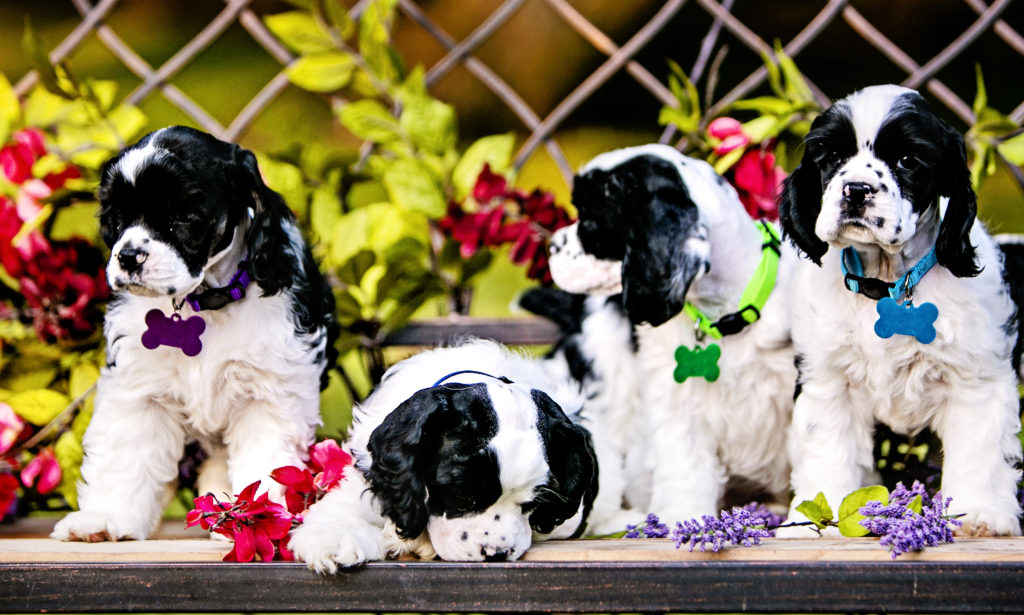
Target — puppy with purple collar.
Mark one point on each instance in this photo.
(220, 331)
(901, 310)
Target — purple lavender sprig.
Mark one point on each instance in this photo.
(901, 529)
(652, 527)
(739, 527)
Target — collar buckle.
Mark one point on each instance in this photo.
(733, 323)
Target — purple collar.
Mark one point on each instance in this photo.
(216, 298)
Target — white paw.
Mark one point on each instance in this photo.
(987, 522)
(324, 549)
(96, 527)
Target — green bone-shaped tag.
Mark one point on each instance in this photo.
(698, 362)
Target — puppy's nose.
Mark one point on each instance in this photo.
(855, 193)
(131, 258)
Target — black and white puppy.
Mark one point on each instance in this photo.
(462, 452)
(219, 331)
(665, 230)
(885, 182)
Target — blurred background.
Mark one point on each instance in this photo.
(540, 56)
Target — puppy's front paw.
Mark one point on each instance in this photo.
(325, 548)
(90, 526)
(977, 523)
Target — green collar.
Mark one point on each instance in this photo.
(754, 296)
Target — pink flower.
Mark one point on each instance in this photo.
(759, 183)
(45, 469)
(729, 133)
(489, 185)
(11, 426)
(32, 138)
(8, 494)
(330, 461)
(16, 161)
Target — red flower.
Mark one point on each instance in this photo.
(17, 158)
(759, 183)
(330, 462)
(298, 487)
(63, 286)
(257, 525)
(506, 217)
(8, 494)
(43, 467)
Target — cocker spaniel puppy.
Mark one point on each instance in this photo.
(901, 313)
(464, 452)
(219, 331)
(704, 286)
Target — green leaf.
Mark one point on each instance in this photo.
(762, 128)
(39, 406)
(299, 31)
(724, 163)
(370, 120)
(355, 268)
(374, 227)
(375, 39)
(325, 211)
(817, 510)
(324, 71)
(796, 86)
(10, 109)
(849, 509)
(285, 179)
(429, 122)
(916, 505)
(981, 96)
(411, 186)
(69, 454)
(348, 308)
(688, 118)
(764, 104)
(494, 150)
(40, 61)
(338, 17)
(1013, 150)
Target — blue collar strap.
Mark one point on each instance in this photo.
(873, 288)
(471, 371)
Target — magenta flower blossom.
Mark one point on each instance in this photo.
(11, 426)
(42, 472)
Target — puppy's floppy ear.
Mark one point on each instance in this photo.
(657, 269)
(405, 448)
(799, 206)
(572, 466)
(953, 248)
(267, 238)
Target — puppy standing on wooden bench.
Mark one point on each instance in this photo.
(219, 331)
(901, 311)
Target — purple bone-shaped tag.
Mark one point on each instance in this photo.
(173, 331)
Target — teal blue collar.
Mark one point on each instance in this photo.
(873, 288)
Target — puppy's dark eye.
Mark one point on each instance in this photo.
(908, 163)
(528, 507)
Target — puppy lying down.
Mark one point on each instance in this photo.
(466, 453)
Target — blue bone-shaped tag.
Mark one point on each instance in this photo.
(905, 319)
(699, 362)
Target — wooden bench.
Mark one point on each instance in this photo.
(181, 572)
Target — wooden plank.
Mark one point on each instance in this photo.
(583, 587)
(526, 330)
(40, 550)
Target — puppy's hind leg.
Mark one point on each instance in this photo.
(131, 454)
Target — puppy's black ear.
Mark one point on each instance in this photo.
(799, 206)
(657, 269)
(267, 239)
(953, 248)
(398, 448)
(572, 464)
